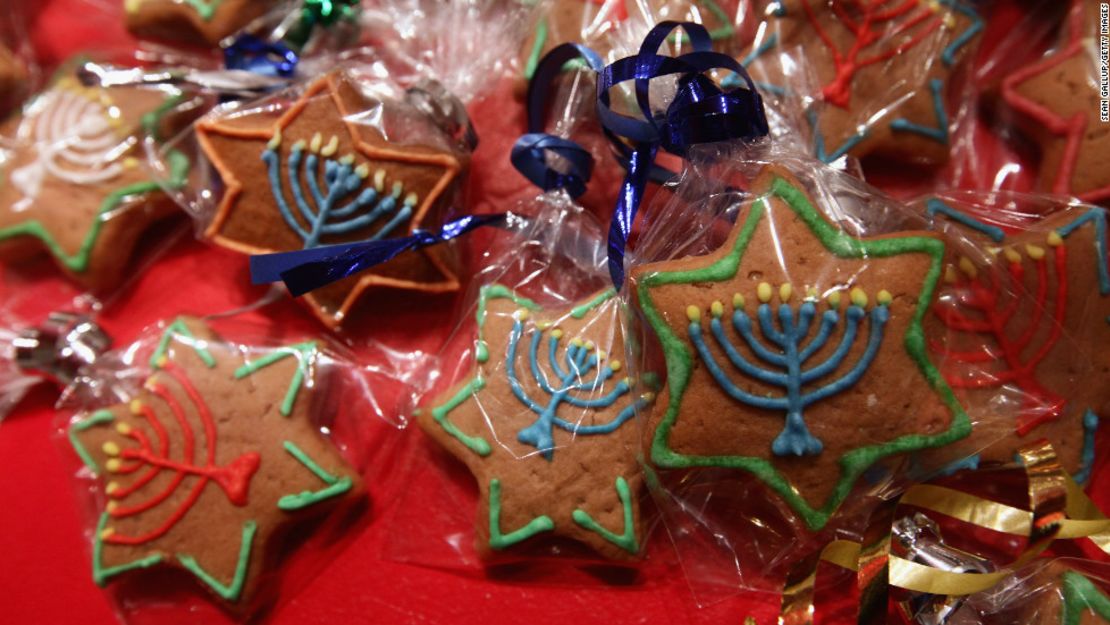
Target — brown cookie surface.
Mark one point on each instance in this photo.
(545, 424)
(1056, 102)
(13, 79)
(880, 69)
(192, 21)
(1066, 596)
(317, 175)
(73, 184)
(794, 352)
(1019, 332)
(208, 463)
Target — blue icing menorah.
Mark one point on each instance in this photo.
(784, 362)
(567, 383)
(322, 208)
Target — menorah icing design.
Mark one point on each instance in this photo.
(848, 41)
(783, 364)
(323, 208)
(788, 347)
(1018, 317)
(543, 422)
(319, 173)
(168, 459)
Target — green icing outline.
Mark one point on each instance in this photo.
(101, 575)
(79, 262)
(1081, 595)
(232, 591)
(497, 540)
(335, 485)
(179, 327)
(627, 540)
(205, 8)
(302, 351)
(97, 418)
(852, 464)
(476, 444)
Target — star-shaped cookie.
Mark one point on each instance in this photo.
(1057, 104)
(73, 184)
(879, 67)
(795, 351)
(208, 464)
(543, 423)
(1019, 332)
(192, 21)
(320, 173)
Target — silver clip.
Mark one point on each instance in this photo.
(920, 537)
(61, 347)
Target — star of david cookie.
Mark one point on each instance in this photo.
(1056, 104)
(192, 21)
(73, 184)
(1018, 333)
(881, 70)
(207, 466)
(795, 351)
(544, 422)
(316, 174)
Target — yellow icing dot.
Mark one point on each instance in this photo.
(332, 147)
(298, 146)
(557, 333)
(1011, 255)
(136, 406)
(110, 448)
(737, 301)
(590, 345)
(347, 159)
(411, 199)
(521, 314)
(717, 309)
(111, 487)
(1036, 253)
(1054, 239)
(123, 428)
(130, 162)
(106, 532)
(379, 180)
(543, 325)
(111, 507)
(162, 361)
(693, 313)
(785, 292)
(363, 171)
(812, 294)
(834, 299)
(577, 342)
(763, 292)
(858, 297)
(317, 140)
(615, 366)
(884, 298)
(602, 354)
(113, 465)
(968, 267)
(275, 141)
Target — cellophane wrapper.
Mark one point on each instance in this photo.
(552, 265)
(731, 529)
(348, 402)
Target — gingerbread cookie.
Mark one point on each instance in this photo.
(13, 79)
(882, 70)
(1056, 101)
(1068, 598)
(316, 175)
(192, 21)
(210, 463)
(544, 424)
(1019, 332)
(74, 184)
(795, 352)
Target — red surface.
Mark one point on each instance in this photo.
(44, 567)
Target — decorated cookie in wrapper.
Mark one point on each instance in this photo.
(1024, 309)
(334, 164)
(883, 73)
(192, 21)
(74, 180)
(219, 459)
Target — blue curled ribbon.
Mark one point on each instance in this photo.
(531, 155)
(266, 58)
(306, 270)
(701, 112)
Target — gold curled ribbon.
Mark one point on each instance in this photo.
(1059, 510)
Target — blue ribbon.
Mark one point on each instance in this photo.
(701, 112)
(255, 55)
(532, 154)
(306, 270)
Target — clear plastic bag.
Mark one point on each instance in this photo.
(215, 468)
(793, 307)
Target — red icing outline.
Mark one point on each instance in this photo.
(839, 91)
(1040, 404)
(234, 478)
(1072, 129)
